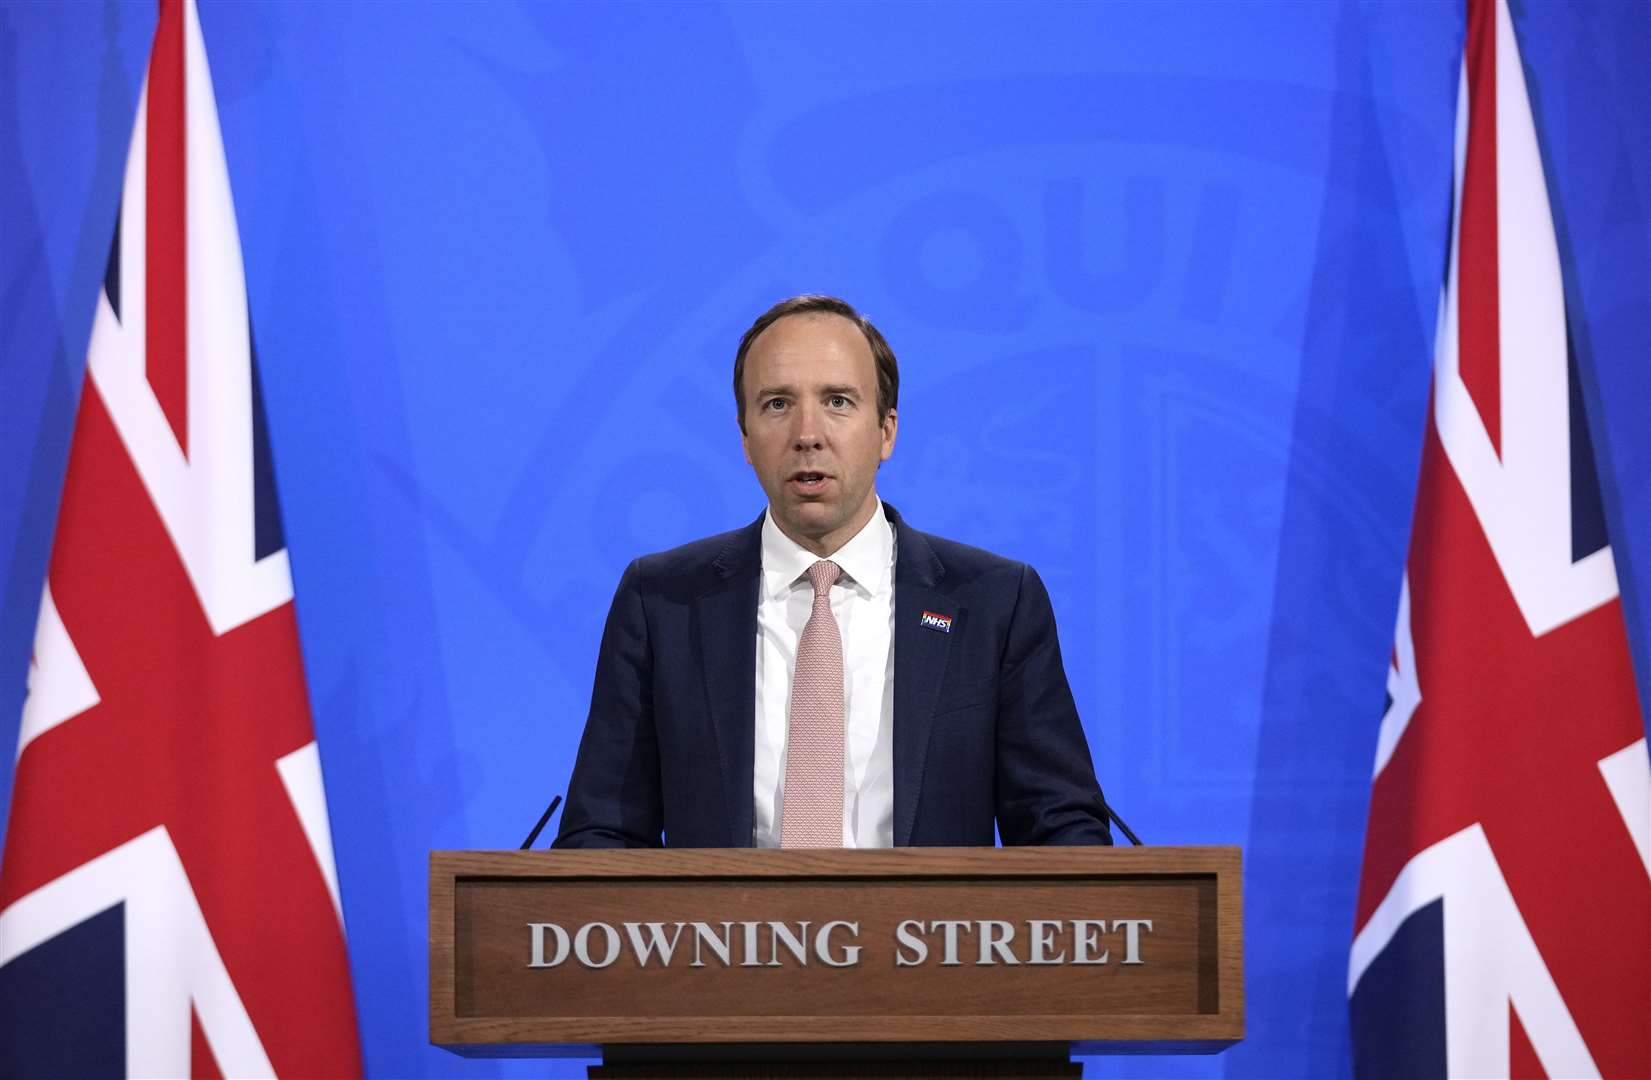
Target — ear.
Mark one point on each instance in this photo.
(745, 445)
(891, 424)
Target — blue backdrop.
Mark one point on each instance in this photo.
(1163, 282)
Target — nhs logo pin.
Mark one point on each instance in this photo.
(942, 623)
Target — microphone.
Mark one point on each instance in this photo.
(557, 801)
(1109, 814)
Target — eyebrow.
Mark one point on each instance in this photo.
(846, 389)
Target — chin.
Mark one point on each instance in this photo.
(816, 519)
(814, 514)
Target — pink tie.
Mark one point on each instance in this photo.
(812, 814)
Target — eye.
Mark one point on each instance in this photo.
(838, 401)
(774, 404)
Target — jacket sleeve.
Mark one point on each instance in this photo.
(1046, 791)
(614, 795)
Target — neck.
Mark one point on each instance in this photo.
(827, 545)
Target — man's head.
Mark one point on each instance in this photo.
(817, 388)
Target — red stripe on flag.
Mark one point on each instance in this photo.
(202, 1065)
(1479, 334)
(166, 296)
(1523, 1063)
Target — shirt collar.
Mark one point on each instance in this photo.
(867, 559)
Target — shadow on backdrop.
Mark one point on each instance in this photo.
(44, 349)
(1342, 543)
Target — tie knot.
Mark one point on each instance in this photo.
(823, 575)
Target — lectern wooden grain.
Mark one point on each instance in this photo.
(799, 955)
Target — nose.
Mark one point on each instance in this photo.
(807, 432)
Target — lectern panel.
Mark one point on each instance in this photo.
(972, 945)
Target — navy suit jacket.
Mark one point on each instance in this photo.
(984, 723)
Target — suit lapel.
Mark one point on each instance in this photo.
(725, 625)
(919, 666)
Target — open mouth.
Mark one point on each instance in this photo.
(808, 482)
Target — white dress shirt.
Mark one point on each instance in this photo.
(863, 602)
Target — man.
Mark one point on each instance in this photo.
(828, 676)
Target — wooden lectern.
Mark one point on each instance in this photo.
(909, 961)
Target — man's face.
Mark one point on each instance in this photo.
(811, 428)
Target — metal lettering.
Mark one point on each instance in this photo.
(797, 945)
(948, 957)
(995, 936)
(581, 944)
(538, 930)
(1043, 933)
(551, 944)
(1132, 937)
(655, 943)
(908, 940)
(822, 944)
(704, 935)
(1084, 940)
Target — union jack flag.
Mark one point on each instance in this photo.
(1503, 924)
(168, 900)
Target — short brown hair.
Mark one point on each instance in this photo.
(888, 372)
